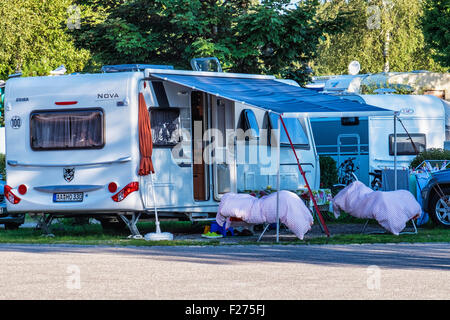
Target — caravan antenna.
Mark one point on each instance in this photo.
(354, 67)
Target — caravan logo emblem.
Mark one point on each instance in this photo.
(407, 110)
(107, 95)
(69, 174)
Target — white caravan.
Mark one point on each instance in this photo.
(370, 139)
(72, 146)
(417, 82)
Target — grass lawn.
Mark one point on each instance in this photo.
(93, 234)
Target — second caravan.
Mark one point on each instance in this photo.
(370, 140)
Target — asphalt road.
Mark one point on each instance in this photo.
(392, 271)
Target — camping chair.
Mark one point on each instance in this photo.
(383, 232)
(236, 223)
(267, 225)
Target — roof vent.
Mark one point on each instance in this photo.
(15, 75)
(211, 64)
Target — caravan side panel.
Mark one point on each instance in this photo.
(421, 115)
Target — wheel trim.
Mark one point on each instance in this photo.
(442, 210)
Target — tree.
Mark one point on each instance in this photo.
(246, 35)
(436, 26)
(34, 38)
(383, 35)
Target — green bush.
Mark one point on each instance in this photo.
(430, 154)
(328, 172)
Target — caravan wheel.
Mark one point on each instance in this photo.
(440, 208)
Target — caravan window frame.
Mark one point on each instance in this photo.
(180, 137)
(97, 147)
(404, 135)
(248, 121)
(284, 141)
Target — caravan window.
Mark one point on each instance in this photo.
(166, 126)
(349, 121)
(248, 121)
(67, 129)
(296, 128)
(404, 145)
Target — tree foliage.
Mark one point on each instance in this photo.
(328, 172)
(430, 154)
(268, 37)
(436, 26)
(34, 38)
(365, 37)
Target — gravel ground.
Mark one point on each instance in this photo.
(299, 272)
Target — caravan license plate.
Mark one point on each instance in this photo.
(68, 197)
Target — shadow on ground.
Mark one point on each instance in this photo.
(407, 256)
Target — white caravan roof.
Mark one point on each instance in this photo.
(83, 88)
(425, 106)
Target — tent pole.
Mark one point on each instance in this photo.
(278, 179)
(321, 220)
(395, 151)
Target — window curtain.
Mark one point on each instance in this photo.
(86, 130)
(145, 139)
(78, 129)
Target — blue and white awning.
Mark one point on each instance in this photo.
(266, 92)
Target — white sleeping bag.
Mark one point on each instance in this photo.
(293, 212)
(392, 209)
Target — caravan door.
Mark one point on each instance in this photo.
(170, 123)
(223, 142)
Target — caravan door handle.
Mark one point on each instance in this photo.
(15, 163)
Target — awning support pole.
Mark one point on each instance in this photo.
(321, 220)
(395, 151)
(278, 181)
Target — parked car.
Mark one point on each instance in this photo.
(11, 221)
(436, 198)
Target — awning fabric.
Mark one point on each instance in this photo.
(274, 95)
